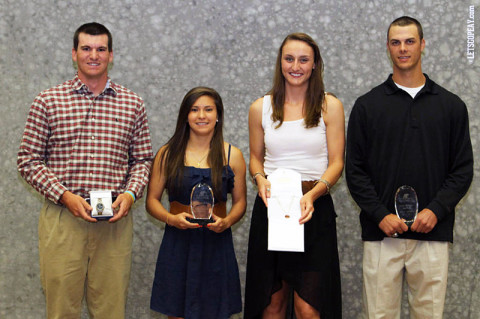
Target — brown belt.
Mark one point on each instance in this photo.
(308, 185)
(219, 209)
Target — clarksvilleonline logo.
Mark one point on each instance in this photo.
(471, 34)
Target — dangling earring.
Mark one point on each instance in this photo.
(217, 120)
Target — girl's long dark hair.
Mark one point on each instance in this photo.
(315, 95)
(173, 156)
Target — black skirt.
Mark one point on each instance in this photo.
(313, 274)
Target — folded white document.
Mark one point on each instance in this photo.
(284, 231)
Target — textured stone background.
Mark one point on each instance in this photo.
(164, 48)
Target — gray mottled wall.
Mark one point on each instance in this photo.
(163, 48)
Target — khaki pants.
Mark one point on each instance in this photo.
(79, 258)
(425, 265)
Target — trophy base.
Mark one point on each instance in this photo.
(201, 221)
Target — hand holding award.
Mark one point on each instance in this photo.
(406, 204)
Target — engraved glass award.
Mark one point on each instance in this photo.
(406, 204)
(201, 204)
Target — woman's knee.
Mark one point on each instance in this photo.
(278, 302)
(303, 310)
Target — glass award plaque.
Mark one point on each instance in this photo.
(201, 204)
(406, 204)
(101, 201)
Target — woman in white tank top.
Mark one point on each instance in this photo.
(296, 126)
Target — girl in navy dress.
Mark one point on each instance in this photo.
(197, 274)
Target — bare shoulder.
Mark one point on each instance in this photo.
(234, 151)
(333, 109)
(236, 155)
(159, 155)
(257, 105)
(331, 101)
(160, 152)
(255, 115)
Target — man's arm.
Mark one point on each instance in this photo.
(32, 154)
(459, 176)
(140, 155)
(31, 163)
(358, 177)
(139, 163)
(460, 173)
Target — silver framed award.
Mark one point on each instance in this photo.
(201, 204)
(406, 204)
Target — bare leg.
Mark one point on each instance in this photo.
(278, 305)
(303, 310)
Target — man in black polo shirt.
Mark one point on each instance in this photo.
(407, 131)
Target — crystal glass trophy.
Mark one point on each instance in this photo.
(406, 204)
(201, 203)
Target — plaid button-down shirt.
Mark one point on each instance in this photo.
(78, 142)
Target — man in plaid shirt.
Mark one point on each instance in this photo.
(86, 134)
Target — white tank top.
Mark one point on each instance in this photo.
(293, 146)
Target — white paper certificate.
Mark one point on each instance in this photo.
(284, 231)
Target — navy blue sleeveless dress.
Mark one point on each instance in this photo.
(196, 275)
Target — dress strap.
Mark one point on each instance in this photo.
(229, 148)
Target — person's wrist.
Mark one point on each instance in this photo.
(63, 198)
(131, 194)
(254, 177)
(327, 185)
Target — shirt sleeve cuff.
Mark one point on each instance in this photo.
(380, 214)
(438, 210)
(56, 193)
